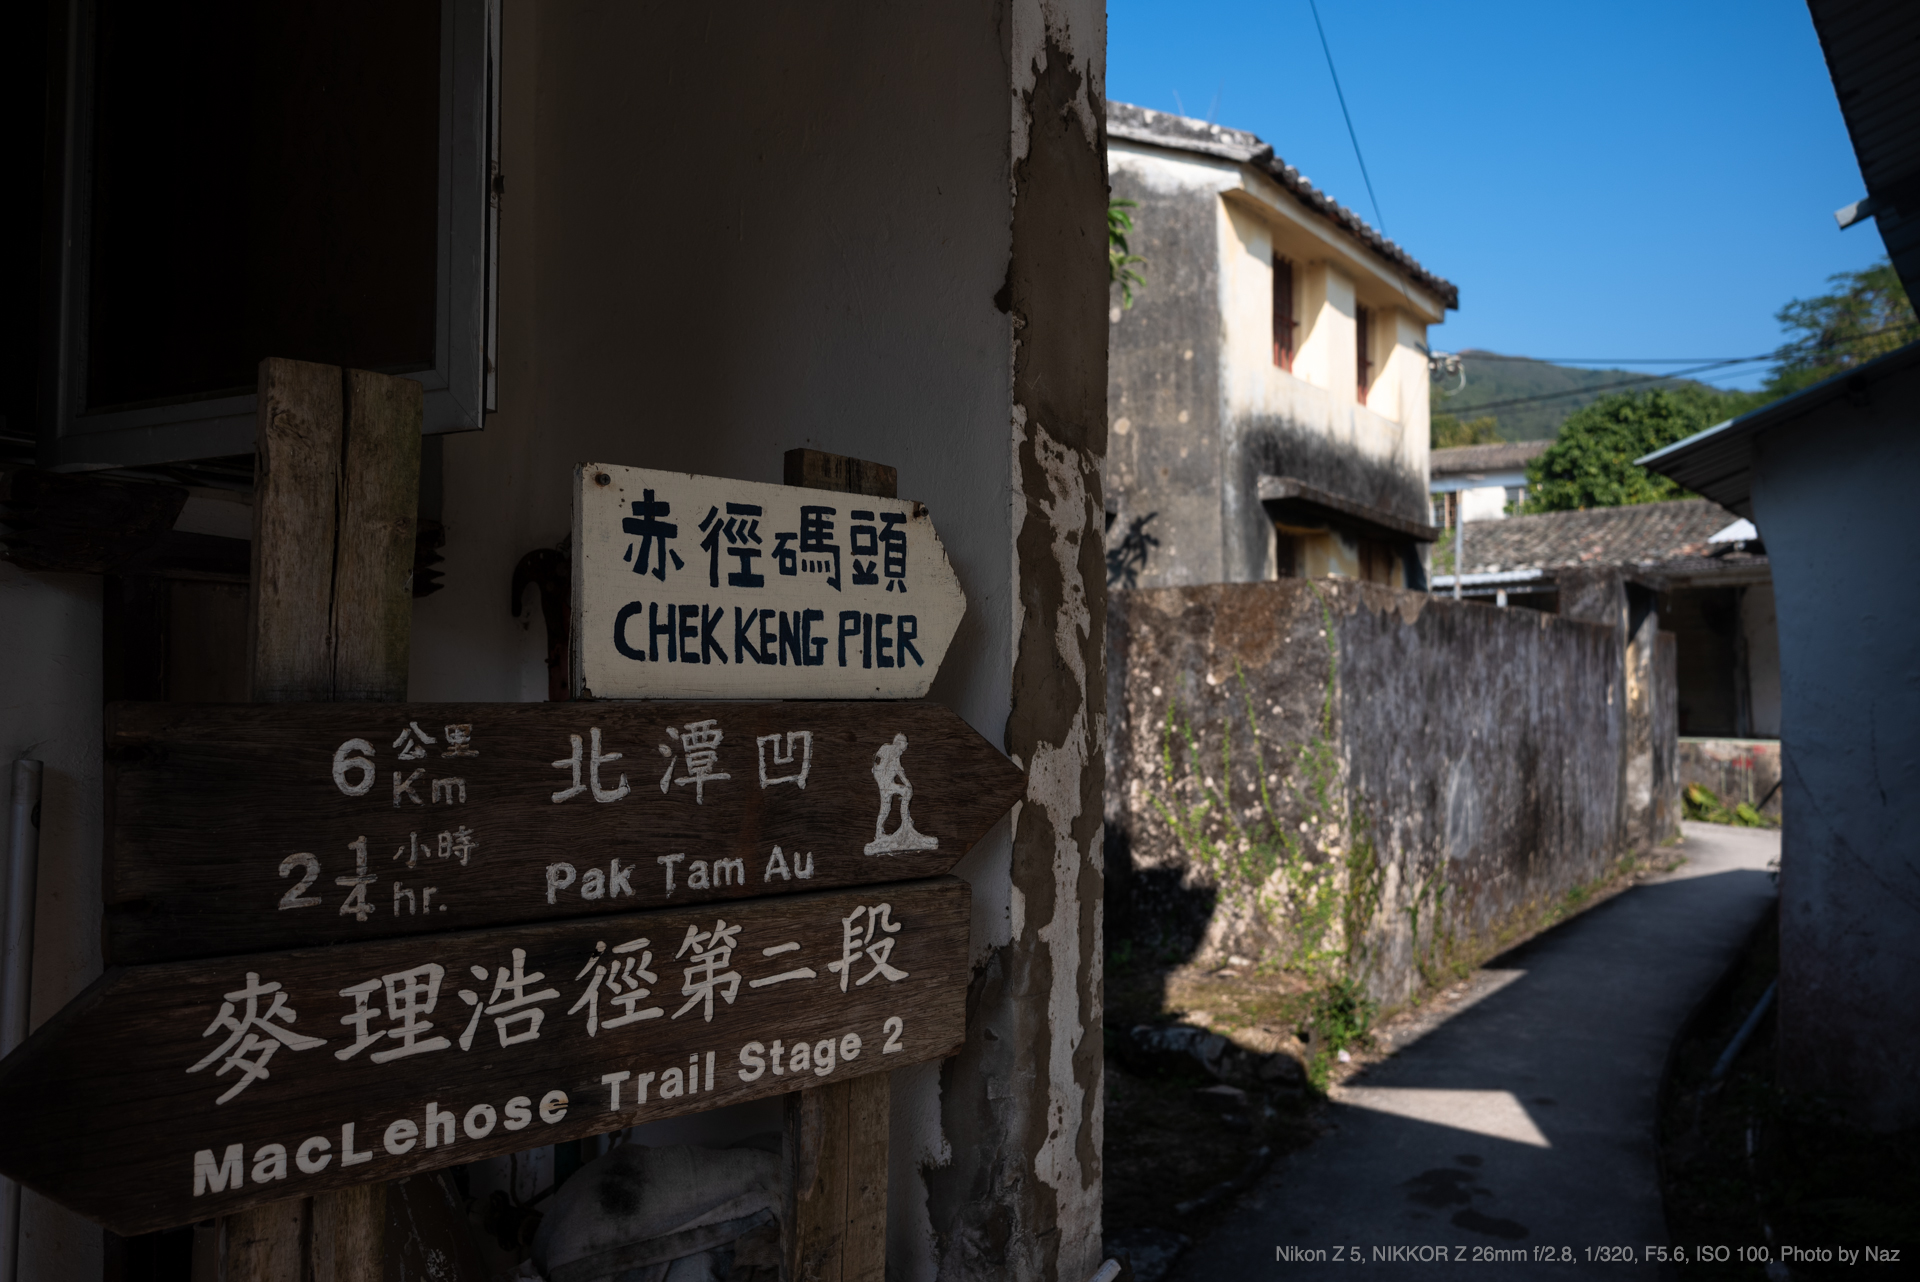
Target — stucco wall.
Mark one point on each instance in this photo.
(1838, 480)
(726, 237)
(1198, 409)
(1480, 750)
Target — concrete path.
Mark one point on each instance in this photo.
(1523, 1124)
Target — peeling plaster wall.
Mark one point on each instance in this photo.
(1019, 1196)
(1483, 746)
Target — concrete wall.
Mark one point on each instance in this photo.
(50, 709)
(877, 231)
(1736, 770)
(1482, 749)
(1836, 481)
(1198, 409)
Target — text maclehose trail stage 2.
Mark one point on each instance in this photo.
(697, 587)
(235, 828)
(169, 1093)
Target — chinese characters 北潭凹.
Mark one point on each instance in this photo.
(699, 744)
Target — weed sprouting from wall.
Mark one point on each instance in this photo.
(1299, 856)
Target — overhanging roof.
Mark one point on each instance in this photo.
(1327, 505)
(1871, 48)
(1718, 462)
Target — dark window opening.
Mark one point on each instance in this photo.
(264, 182)
(1363, 347)
(1284, 324)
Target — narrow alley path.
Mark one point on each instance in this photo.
(1522, 1126)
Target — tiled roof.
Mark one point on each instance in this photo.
(1506, 456)
(1643, 535)
(1182, 133)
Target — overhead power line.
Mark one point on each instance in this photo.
(1347, 116)
(1723, 365)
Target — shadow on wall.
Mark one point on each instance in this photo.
(1129, 556)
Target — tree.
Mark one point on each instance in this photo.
(1867, 315)
(1119, 260)
(1591, 464)
(1447, 431)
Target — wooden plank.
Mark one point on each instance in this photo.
(269, 1243)
(837, 1146)
(349, 1234)
(819, 470)
(165, 1094)
(372, 598)
(701, 587)
(238, 828)
(296, 485)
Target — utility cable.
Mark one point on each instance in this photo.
(1347, 116)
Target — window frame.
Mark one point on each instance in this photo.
(460, 385)
(1363, 348)
(1285, 314)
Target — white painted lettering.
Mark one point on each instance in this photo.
(777, 1052)
(697, 875)
(600, 793)
(612, 1082)
(559, 877)
(439, 1125)
(297, 896)
(641, 1082)
(753, 1058)
(353, 755)
(729, 872)
(347, 1156)
(478, 1123)
(823, 1052)
(400, 1136)
(207, 1175)
(553, 1106)
(777, 864)
(404, 787)
(519, 1114)
(667, 862)
(572, 762)
(618, 880)
(304, 1158)
(850, 1047)
(443, 790)
(800, 1058)
(269, 1163)
(710, 1055)
(673, 1084)
(593, 885)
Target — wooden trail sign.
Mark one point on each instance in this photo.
(697, 587)
(239, 828)
(167, 1094)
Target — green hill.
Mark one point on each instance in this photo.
(1492, 378)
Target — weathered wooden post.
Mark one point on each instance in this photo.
(837, 1135)
(336, 488)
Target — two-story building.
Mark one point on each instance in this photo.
(1267, 393)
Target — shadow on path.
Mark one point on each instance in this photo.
(1521, 1130)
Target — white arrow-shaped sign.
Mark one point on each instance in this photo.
(698, 587)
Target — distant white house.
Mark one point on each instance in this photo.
(1480, 482)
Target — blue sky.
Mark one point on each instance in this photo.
(1627, 180)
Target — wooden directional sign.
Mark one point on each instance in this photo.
(167, 1094)
(237, 828)
(696, 587)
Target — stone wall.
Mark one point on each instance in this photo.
(1462, 765)
(1736, 770)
